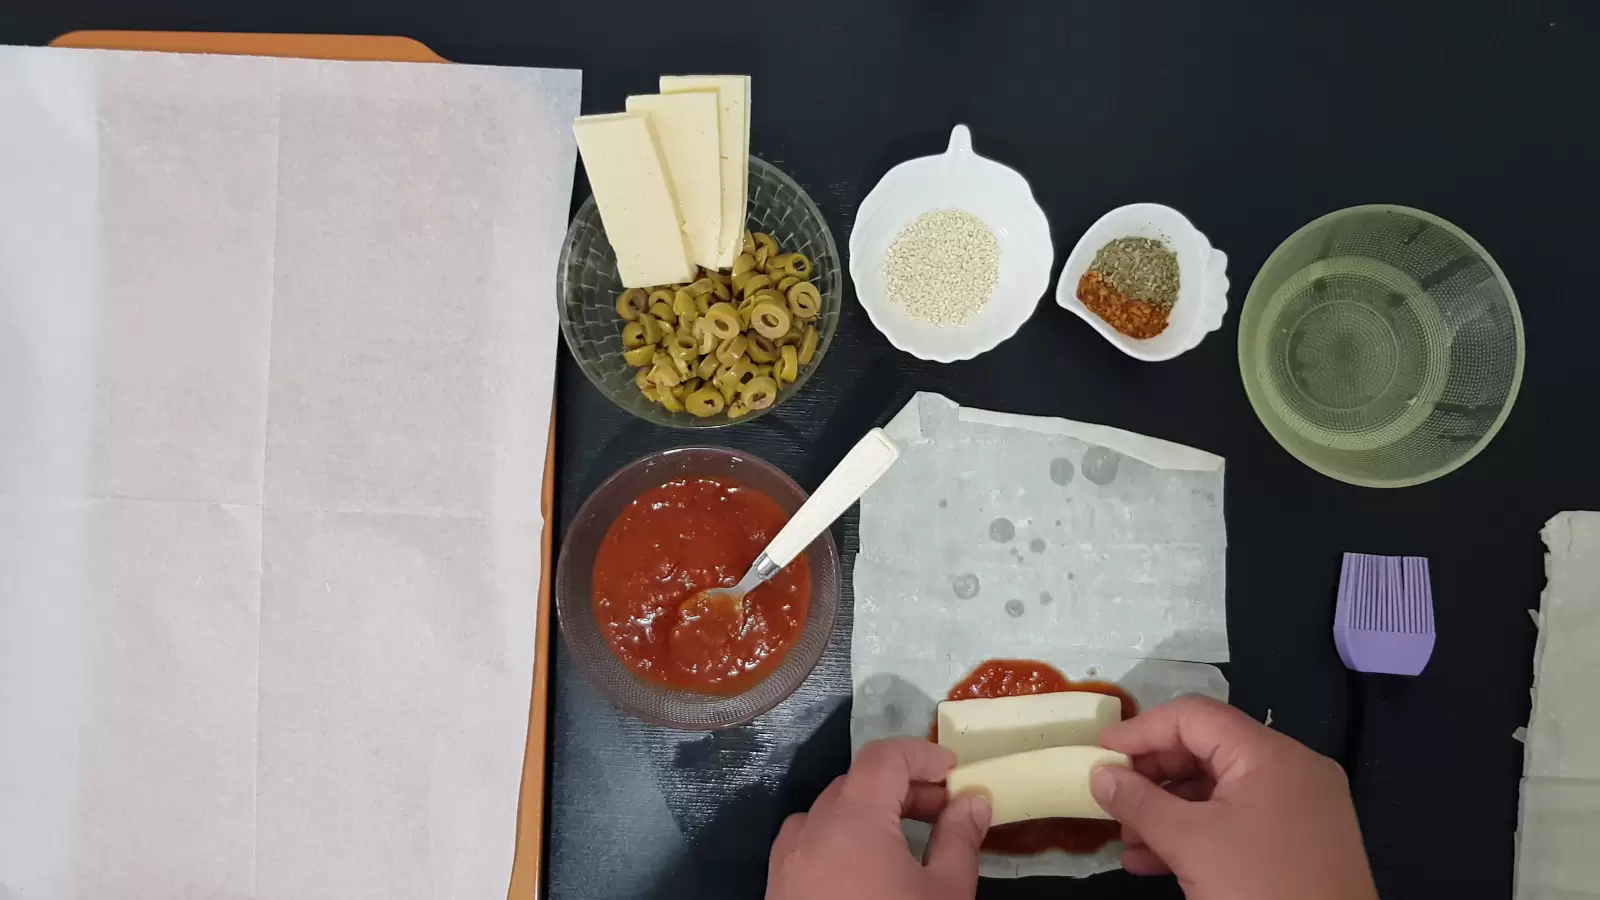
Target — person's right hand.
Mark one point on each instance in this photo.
(1241, 812)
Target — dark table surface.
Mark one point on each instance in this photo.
(1252, 119)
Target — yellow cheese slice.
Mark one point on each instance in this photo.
(631, 188)
(733, 134)
(685, 126)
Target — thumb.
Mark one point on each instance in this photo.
(952, 854)
(1136, 801)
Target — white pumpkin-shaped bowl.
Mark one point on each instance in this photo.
(996, 194)
(1202, 279)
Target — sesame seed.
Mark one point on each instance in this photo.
(943, 267)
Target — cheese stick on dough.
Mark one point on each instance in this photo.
(1039, 784)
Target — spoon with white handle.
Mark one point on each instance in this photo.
(861, 467)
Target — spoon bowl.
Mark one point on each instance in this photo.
(860, 469)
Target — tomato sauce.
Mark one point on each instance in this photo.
(668, 545)
(1014, 678)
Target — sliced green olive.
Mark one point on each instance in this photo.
(639, 356)
(767, 241)
(770, 320)
(720, 291)
(707, 339)
(665, 374)
(763, 257)
(808, 345)
(786, 282)
(685, 307)
(683, 346)
(768, 295)
(704, 402)
(762, 349)
(798, 265)
(777, 265)
(661, 295)
(651, 329)
(744, 262)
(641, 377)
(788, 366)
(733, 348)
(708, 367)
(759, 392)
(722, 320)
(749, 242)
(805, 300)
(663, 311)
(756, 283)
(701, 287)
(632, 335)
(670, 400)
(632, 303)
(737, 409)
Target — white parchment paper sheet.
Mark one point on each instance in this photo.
(999, 536)
(277, 349)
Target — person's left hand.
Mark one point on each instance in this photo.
(849, 846)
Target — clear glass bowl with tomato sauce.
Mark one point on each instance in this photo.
(645, 543)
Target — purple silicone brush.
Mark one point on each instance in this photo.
(1383, 622)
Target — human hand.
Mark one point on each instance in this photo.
(849, 845)
(1246, 813)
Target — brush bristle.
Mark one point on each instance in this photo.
(1386, 593)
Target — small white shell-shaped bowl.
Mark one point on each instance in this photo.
(996, 194)
(1202, 279)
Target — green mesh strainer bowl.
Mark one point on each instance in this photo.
(1381, 346)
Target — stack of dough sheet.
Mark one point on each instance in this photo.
(1558, 828)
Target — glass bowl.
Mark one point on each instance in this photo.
(1381, 345)
(575, 607)
(588, 284)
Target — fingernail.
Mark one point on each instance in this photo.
(980, 810)
(1103, 785)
